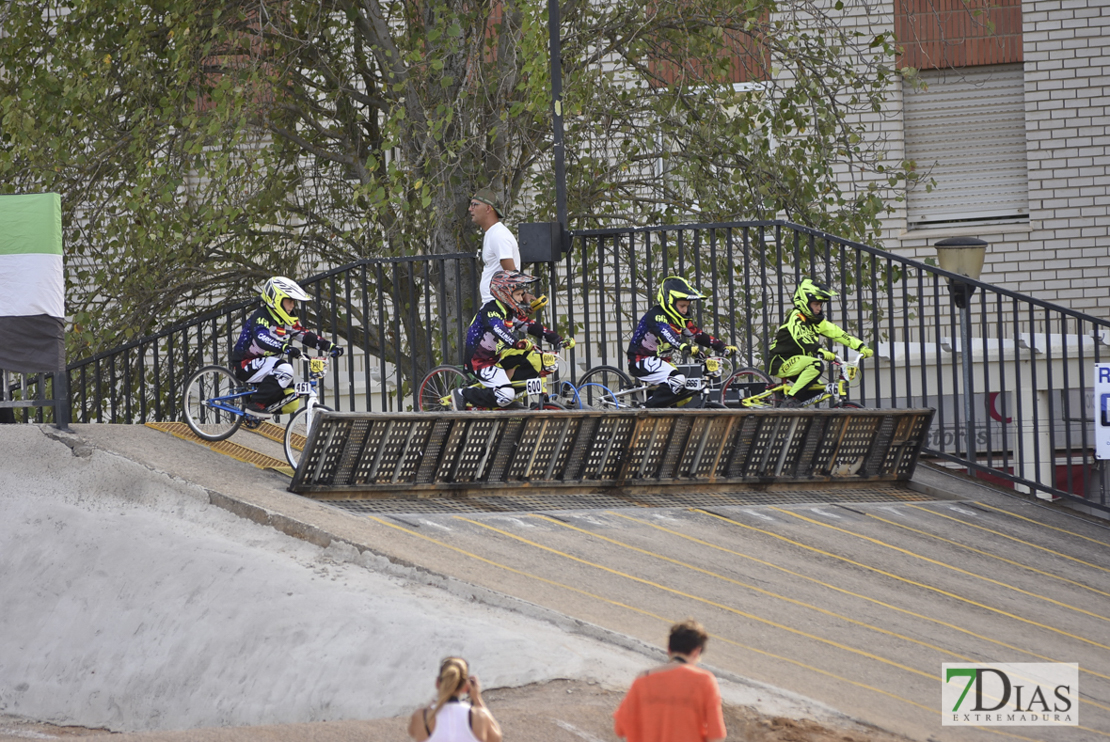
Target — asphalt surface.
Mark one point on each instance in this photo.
(853, 603)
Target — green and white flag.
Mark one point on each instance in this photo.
(32, 283)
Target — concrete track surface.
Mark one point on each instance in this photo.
(818, 603)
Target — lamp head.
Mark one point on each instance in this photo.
(963, 256)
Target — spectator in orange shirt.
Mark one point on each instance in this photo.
(675, 702)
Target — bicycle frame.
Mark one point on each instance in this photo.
(219, 402)
(704, 384)
(536, 388)
(841, 375)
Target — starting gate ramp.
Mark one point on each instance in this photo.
(460, 454)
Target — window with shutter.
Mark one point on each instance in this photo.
(967, 130)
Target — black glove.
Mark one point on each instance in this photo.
(552, 337)
(336, 351)
(324, 345)
(292, 352)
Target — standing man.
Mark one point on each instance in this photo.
(675, 702)
(499, 248)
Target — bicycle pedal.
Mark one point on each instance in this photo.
(252, 423)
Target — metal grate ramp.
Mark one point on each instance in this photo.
(476, 454)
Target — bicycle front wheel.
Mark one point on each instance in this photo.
(203, 398)
(437, 387)
(601, 388)
(296, 433)
(745, 384)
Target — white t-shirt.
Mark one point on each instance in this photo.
(497, 244)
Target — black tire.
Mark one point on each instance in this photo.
(296, 433)
(747, 382)
(713, 406)
(599, 389)
(849, 406)
(212, 423)
(437, 384)
(553, 405)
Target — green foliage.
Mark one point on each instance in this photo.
(201, 145)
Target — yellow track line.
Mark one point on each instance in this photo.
(906, 580)
(985, 553)
(667, 621)
(1042, 525)
(939, 563)
(706, 601)
(753, 588)
(1012, 538)
(768, 593)
(844, 591)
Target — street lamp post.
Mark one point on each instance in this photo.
(964, 256)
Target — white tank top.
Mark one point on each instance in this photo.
(453, 723)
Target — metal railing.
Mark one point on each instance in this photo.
(397, 314)
(1031, 419)
(33, 397)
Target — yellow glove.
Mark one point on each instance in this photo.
(828, 355)
(865, 352)
(731, 350)
(568, 343)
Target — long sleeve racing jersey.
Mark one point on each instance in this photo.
(655, 335)
(493, 330)
(262, 335)
(799, 337)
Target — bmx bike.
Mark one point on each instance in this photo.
(541, 392)
(609, 388)
(213, 398)
(750, 388)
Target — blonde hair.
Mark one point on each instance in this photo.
(453, 674)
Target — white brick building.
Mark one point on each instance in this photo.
(1017, 118)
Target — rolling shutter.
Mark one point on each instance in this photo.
(969, 127)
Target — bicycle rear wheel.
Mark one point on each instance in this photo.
(747, 382)
(296, 433)
(601, 388)
(209, 422)
(437, 386)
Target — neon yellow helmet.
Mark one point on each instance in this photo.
(673, 289)
(277, 289)
(808, 291)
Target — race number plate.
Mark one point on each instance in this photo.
(712, 365)
(549, 361)
(693, 384)
(302, 387)
(534, 386)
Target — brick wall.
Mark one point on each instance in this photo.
(1063, 254)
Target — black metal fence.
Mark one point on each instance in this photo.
(1029, 373)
